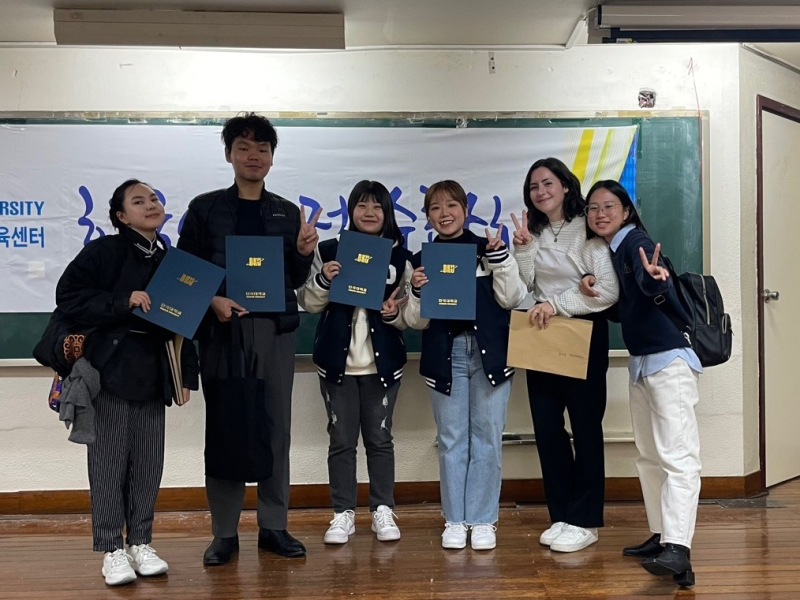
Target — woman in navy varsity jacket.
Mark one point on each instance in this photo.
(663, 383)
(464, 364)
(553, 253)
(360, 355)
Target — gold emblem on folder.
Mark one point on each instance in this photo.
(449, 268)
(187, 279)
(363, 258)
(356, 289)
(255, 261)
(448, 301)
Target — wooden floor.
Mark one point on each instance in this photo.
(741, 553)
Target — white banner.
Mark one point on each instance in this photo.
(55, 180)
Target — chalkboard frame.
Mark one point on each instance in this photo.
(19, 332)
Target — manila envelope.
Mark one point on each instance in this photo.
(562, 348)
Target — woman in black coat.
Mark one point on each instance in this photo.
(100, 288)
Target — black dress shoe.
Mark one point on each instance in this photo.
(649, 549)
(280, 542)
(675, 560)
(220, 551)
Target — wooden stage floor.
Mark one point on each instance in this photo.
(739, 553)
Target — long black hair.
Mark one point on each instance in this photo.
(615, 187)
(573, 200)
(377, 192)
(115, 205)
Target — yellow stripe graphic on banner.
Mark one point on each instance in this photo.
(582, 159)
(603, 155)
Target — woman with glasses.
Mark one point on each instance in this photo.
(663, 372)
(553, 254)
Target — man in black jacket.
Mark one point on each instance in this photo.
(247, 208)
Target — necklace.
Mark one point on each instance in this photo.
(555, 233)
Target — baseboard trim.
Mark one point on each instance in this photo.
(317, 495)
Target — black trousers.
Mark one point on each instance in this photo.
(274, 362)
(574, 480)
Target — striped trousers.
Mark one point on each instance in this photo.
(125, 466)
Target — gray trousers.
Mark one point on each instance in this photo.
(360, 404)
(274, 362)
(126, 462)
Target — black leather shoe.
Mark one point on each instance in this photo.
(649, 549)
(675, 560)
(220, 551)
(280, 542)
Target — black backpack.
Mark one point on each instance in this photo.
(704, 323)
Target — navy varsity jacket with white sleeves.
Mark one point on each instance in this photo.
(499, 289)
(350, 340)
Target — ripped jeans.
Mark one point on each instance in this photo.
(360, 404)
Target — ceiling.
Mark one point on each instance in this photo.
(387, 23)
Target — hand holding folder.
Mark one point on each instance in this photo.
(562, 348)
(364, 261)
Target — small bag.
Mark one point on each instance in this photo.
(238, 427)
(60, 346)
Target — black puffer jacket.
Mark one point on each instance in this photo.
(212, 217)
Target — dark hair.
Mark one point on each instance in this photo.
(573, 201)
(622, 194)
(377, 192)
(449, 188)
(249, 126)
(115, 205)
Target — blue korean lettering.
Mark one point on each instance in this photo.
(167, 217)
(85, 221)
(313, 207)
(396, 193)
(339, 212)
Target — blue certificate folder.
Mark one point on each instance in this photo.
(450, 291)
(365, 268)
(254, 267)
(180, 291)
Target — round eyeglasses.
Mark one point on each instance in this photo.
(608, 208)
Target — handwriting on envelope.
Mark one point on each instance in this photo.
(562, 348)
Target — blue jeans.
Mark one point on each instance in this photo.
(470, 424)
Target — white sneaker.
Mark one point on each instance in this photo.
(117, 568)
(483, 537)
(454, 536)
(146, 562)
(342, 527)
(574, 538)
(551, 534)
(383, 524)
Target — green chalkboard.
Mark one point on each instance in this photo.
(668, 188)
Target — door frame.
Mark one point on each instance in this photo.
(764, 104)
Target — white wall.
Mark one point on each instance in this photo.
(757, 76)
(34, 453)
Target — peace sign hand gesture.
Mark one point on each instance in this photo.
(391, 306)
(522, 237)
(496, 241)
(651, 266)
(307, 238)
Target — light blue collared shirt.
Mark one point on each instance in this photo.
(650, 364)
